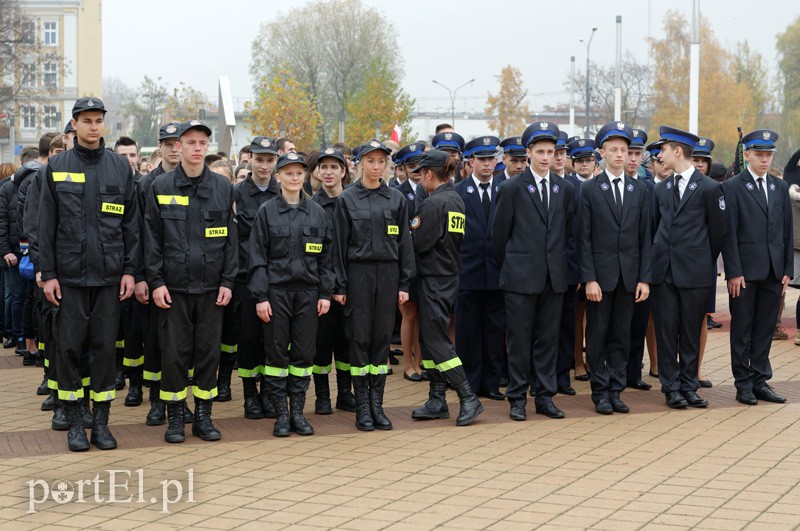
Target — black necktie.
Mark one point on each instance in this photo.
(543, 185)
(618, 194)
(677, 191)
(487, 203)
(761, 196)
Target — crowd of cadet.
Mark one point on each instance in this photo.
(291, 267)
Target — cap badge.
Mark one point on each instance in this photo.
(487, 141)
(329, 151)
(766, 135)
(702, 142)
(90, 103)
(635, 134)
(412, 147)
(620, 125)
(448, 136)
(582, 143)
(195, 122)
(171, 129)
(374, 144)
(265, 142)
(543, 126)
(292, 156)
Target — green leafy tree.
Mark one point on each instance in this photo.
(788, 47)
(145, 109)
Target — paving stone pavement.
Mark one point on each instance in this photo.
(726, 467)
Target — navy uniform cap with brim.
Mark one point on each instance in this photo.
(639, 138)
(655, 148)
(671, 134)
(68, 128)
(408, 154)
(289, 158)
(448, 141)
(513, 147)
(434, 158)
(88, 104)
(169, 130)
(194, 124)
(373, 145)
(540, 131)
(613, 130)
(263, 145)
(703, 148)
(760, 140)
(332, 153)
(561, 143)
(581, 148)
(482, 147)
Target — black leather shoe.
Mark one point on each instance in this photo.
(549, 409)
(518, 412)
(567, 390)
(705, 384)
(711, 323)
(393, 360)
(746, 397)
(503, 381)
(640, 385)
(603, 406)
(676, 401)
(652, 374)
(414, 377)
(582, 377)
(618, 405)
(765, 392)
(9, 343)
(693, 400)
(493, 395)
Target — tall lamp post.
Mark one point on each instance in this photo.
(453, 98)
(588, 93)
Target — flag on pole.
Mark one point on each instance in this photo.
(396, 132)
(738, 159)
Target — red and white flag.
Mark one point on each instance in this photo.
(396, 132)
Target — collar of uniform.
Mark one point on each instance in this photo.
(203, 188)
(324, 199)
(283, 206)
(382, 189)
(753, 175)
(90, 155)
(253, 189)
(443, 188)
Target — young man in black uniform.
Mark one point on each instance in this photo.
(258, 188)
(192, 259)
(615, 265)
(89, 252)
(534, 219)
(759, 262)
(690, 230)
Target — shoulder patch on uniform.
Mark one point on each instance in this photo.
(722, 202)
(415, 223)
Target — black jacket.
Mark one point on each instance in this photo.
(249, 199)
(89, 224)
(290, 247)
(614, 244)
(437, 231)
(372, 226)
(528, 247)
(414, 198)
(142, 187)
(190, 234)
(760, 241)
(9, 198)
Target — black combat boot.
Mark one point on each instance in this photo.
(59, 421)
(101, 436)
(188, 416)
(345, 400)
(155, 417)
(436, 406)
(76, 438)
(134, 397)
(43, 390)
(252, 402)
(202, 426)
(224, 378)
(86, 412)
(47, 404)
(276, 388)
(119, 381)
(377, 382)
(322, 405)
(363, 414)
(266, 403)
(470, 406)
(175, 415)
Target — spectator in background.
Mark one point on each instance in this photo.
(241, 172)
(444, 128)
(285, 146)
(145, 167)
(313, 181)
(126, 146)
(223, 168)
(7, 169)
(245, 155)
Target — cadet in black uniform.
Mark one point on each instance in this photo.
(191, 260)
(88, 254)
(437, 231)
(331, 340)
(759, 262)
(374, 265)
(258, 188)
(291, 276)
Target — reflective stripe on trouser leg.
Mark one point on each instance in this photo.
(254, 335)
(294, 320)
(151, 368)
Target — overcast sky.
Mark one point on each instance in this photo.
(451, 41)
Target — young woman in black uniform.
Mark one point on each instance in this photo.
(374, 265)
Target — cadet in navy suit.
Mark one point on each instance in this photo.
(534, 218)
(479, 309)
(759, 262)
(615, 242)
(690, 230)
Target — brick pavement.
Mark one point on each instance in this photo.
(726, 467)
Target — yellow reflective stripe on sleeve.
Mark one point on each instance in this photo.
(202, 394)
(428, 364)
(378, 369)
(172, 396)
(393, 230)
(317, 369)
(70, 396)
(250, 373)
(112, 208)
(342, 366)
(86, 381)
(103, 396)
(131, 362)
(313, 247)
(52, 384)
(121, 344)
(228, 349)
(182, 200)
(359, 371)
(300, 372)
(456, 222)
(449, 364)
(276, 372)
(68, 177)
(216, 232)
(151, 376)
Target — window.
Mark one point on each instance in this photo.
(28, 32)
(50, 33)
(51, 118)
(27, 116)
(28, 75)
(50, 75)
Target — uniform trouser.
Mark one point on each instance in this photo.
(566, 337)
(678, 315)
(133, 359)
(608, 340)
(331, 342)
(229, 345)
(85, 332)
(46, 313)
(369, 314)
(151, 369)
(753, 315)
(189, 333)
(294, 331)
(481, 337)
(254, 335)
(641, 316)
(30, 316)
(533, 324)
(15, 301)
(436, 296)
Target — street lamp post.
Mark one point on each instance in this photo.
(588, 93)
(453, 98)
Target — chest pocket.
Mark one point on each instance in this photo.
(279, 237)
(313, 238)
(392, 230)
(111, 208)
(361, 230)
